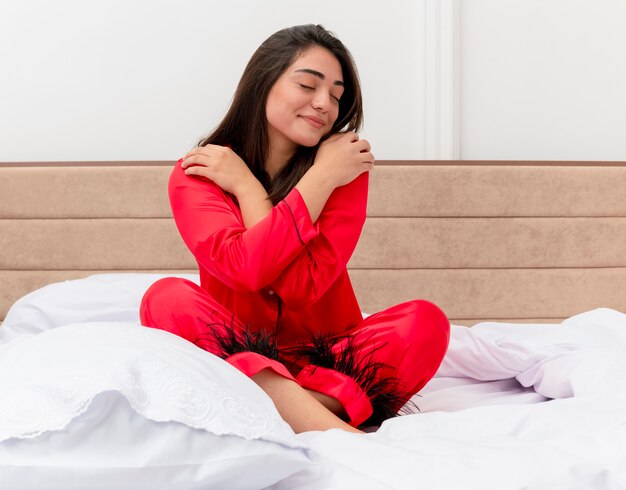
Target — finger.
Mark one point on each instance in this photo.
(191, 152)
(196, 160)
(334, 137)
(211, 147)
(363, 145)
(352, 136)
(348, 135)
(196, 170)
(202, 150)
(368, 158)
(185, 159)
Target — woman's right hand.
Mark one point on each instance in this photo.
(221, 165)
(343, 157)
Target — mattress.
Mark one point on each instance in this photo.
(90, 399)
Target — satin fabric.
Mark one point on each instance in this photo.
(286, 276)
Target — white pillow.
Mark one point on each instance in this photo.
(115, 405)
(100, 297)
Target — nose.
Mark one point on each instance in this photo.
(321, 101)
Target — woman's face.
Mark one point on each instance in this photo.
(303, 104)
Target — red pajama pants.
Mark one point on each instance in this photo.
(379, 363)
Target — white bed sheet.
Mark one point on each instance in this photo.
(490, 433)
(513, 406)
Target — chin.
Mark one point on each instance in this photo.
(310, 144)
(309, 140)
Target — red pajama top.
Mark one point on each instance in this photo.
(286, 274)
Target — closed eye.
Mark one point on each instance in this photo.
(306, 87)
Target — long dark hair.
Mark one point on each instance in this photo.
(244, 128)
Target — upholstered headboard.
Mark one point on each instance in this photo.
(519, 241)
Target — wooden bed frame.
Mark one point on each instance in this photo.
(505, 241)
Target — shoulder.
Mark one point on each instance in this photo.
(180, 180)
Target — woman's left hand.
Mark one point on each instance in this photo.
(219, 164)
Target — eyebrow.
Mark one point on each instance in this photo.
(319, 75)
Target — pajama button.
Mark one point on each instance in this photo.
(270, 292)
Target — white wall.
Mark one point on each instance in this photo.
(145, 79)
(543, 80)
(470, 79)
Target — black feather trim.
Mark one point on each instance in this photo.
(388, 400)
(385, 394)
(225, 340)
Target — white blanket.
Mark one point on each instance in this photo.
(513, 440)
(513, 406)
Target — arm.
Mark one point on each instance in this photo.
(340, 159)
(329, 185)
(314, 187)
(254, 202)
(243, 259)
(222, 166)
(315, 269)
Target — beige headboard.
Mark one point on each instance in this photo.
(518, 241)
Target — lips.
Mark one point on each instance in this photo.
(314, 121)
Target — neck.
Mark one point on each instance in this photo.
(280, 151)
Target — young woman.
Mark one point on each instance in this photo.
(271, 204)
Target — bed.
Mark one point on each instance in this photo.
(530, 255)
